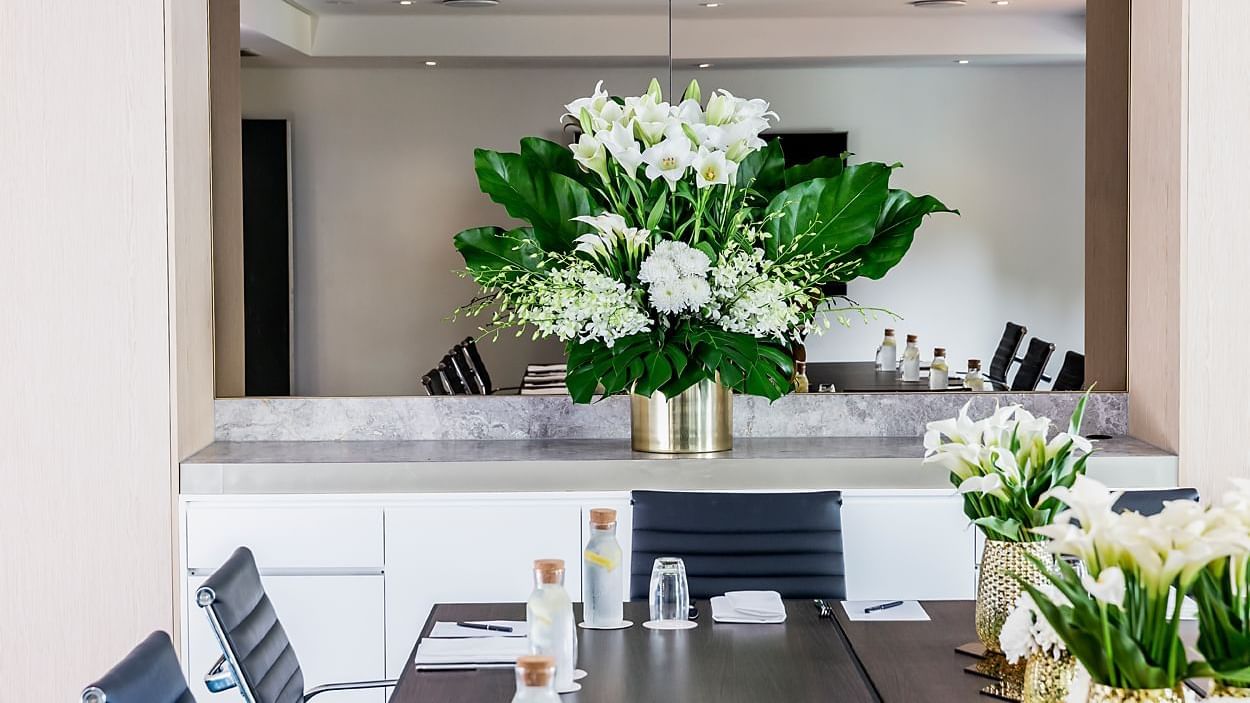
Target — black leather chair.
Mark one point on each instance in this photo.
(1005, 354)
(1033, 365)
(1150, 502)
(149, 674)
(1071, 376)
(785, 542)
(255, 648)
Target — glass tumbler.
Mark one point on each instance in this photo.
(670, 594)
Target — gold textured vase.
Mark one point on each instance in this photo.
(997, 588)
(1099, 693)
(697, 420)
(1224, 690)
(1047, 678)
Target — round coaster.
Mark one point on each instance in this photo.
(572, 689)
(579, 674)
(670, 624)
(616, 626)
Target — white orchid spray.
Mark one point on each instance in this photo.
(671, 243)
(1026, 631)
(1008, 468)
(1122, 612)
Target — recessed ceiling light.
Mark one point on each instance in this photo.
(938, 3)
(431, 63)
(705, 65)
(470, 3)
(1000, 2)
(406, 2)
(962, 61)
(711, 4)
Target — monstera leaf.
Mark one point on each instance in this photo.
(901, 216)
(763, 171)
(546, 199)
(490, 251)
(828, 215)
(545, 155)
(821, 167)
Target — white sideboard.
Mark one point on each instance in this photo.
(353, 577)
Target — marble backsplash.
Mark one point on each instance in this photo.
(539, 417)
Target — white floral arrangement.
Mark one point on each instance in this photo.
(1026, 631)
(672, 243)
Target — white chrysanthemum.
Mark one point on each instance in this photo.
(658, 269)
(697, 291)
(690, 261)
(668, 296)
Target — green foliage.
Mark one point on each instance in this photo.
(1222, 592)
(548, 200)
(895, 229)
(841, 212)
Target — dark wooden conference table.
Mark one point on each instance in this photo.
(863, 377)
(805, 659)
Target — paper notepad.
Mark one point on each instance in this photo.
(444, 630)
(471, 650)
(909, 610)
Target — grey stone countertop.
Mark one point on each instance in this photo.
(261, 467)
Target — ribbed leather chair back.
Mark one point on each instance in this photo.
(252, 638)
(149, 674)
(1071, 376)
(785, 542)
(1008, 347)
(1033, 365)
(1150, 502)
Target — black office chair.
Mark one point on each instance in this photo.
(1150, 502)
(1005, 355)
(255, 648)
(1033, 366)
(149, 674)
(1071, 376)
(785, 542)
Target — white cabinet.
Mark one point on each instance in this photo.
(908, 547)
(466, 553)
(335, 624)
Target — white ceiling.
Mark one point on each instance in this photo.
(690, 8)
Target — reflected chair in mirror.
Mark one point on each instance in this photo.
(785, 542)
(1033, 366)
(461, 372)
(149, 674)
(256, 653)
(1005, 354)
(1071, 376)
(1151, 502)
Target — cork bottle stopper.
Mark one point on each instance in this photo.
(911, 339)
(938, 351)
(536, 670)
(602, 517)
(549, 570)
(889, 332)
(974, 364)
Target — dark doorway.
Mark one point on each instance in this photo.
(266, 258)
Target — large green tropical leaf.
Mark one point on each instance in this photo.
(821, 167)
(546, 199)
(840, 212)
(763, 171)
(896, 228)
(490, 251)
(545, 155)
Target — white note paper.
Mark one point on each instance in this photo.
(443, 630)
(910, 610)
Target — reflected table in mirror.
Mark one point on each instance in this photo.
(863, 377)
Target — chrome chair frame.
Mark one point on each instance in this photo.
(225, 673)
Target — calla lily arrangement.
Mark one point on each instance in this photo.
(1006, 468)
(1222, 591)
(1121, 617)
(673, 244)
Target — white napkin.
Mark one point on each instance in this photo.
(749, 606)
(442, 630)
(471, 650)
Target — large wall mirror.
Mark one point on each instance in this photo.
(358, 146)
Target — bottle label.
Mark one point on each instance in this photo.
(599, 560)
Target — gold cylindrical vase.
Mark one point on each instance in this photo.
(997, 588)
(1099, 693)
(1221, 689)
(1048, 678)
(695, 421)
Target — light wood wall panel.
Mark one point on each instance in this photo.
(1156, 219)
(1107, 24)
(227, 149)
(1215, 324)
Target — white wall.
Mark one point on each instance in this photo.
(383, 177)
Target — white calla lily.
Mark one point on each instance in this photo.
(991, 485)
(1109, 588)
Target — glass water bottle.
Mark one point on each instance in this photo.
(911, 359)
(602, 576)
(549, 613)
(973, 380)
(887, 353)
(535, 680)
(939, 372)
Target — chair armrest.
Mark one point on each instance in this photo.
(220, 677)
(349, 686)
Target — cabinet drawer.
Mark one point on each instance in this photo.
(284, 537)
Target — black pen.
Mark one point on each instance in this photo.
(484, 626)
(883, 606)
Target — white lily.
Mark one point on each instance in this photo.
(651, 118)
(1108, 588)
(721, 108)
(712, 168)
(669, 159)
(620, 142)
(589, 152)
(592, 104)
(690, 112)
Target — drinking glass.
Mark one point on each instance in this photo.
(670, 594)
